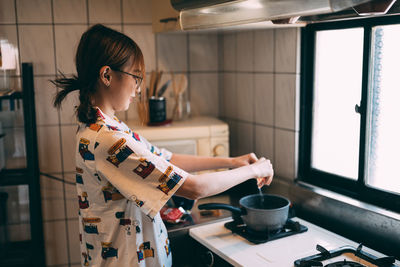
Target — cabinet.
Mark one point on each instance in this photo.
(21, 227)
(164, 17)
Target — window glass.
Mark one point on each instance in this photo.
(383, 145)
(337, 89)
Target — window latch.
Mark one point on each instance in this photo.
(358, 109)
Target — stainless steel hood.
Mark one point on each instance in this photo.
(206, 14)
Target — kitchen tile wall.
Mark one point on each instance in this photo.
(249, 79)
(259, 94)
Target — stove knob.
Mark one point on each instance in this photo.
(207, 258)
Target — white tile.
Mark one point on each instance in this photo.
(7, 11)
(245, 96)
(264, 50)
(203, 52)
(36, 44)
(104, 11)
(49, 149)
(286, 47)
(71, 199)
(67, 40)
(244, 51)
(136, 11)
(70, 177)
(145, 39)
(172, 52)
(264, 99)
(286, 101)
(245, 138)
(229, 96)
(68, 108)
(264, 142)
(45, 91)
(114, 26)
(70, 11)
(34, 11)
(68, 138)
(55, 242)
(284, 161)
(52, 198)
(73, 239)
(204, 94)
(229, 53)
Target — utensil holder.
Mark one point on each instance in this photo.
(157, 109)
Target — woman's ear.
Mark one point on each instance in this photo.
(105, 75)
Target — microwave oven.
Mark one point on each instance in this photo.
(202, 136)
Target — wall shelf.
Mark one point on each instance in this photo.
(25, 248)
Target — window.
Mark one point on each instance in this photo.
(350, 123)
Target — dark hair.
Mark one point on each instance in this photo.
(99, 46)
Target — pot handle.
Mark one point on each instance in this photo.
(217, 206)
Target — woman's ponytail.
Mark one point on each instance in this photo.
(86, 112)
(68, 85)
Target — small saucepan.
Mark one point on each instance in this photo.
(258, 212)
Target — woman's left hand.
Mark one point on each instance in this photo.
(244, 160)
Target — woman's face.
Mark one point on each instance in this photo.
(123, 87)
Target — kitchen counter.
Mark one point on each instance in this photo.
(277, 253)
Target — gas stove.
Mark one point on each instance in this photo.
(296, 250)
(345, 256)
(290, 228)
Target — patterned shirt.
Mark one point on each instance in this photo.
(122, 182)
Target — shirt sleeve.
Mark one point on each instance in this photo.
(162, 152)
(139, 175)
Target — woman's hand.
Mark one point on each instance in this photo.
(264, 172)
(244, 160)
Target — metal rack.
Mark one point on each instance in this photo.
(31, 252)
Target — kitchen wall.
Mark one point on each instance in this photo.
(249, 79)
(259, 94)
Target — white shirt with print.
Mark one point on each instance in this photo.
(122, 183)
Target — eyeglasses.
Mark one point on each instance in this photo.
(137, 78)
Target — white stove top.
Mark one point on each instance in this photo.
(277, 253)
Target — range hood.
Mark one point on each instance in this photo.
(208, 14)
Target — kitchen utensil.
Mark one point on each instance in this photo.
(157, 81)
(269, 215)
(163, 88)
(182, 107)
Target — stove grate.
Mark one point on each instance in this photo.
(290, 228)
(316, 260)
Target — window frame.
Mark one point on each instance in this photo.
(355, 189)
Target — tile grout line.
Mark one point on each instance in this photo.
(254, 89)
(273, 96)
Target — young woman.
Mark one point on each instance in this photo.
(122, 180)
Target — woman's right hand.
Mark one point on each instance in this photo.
(264, 171)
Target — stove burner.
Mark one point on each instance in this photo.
(290, 228)
(316, 260)
(345, 264)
